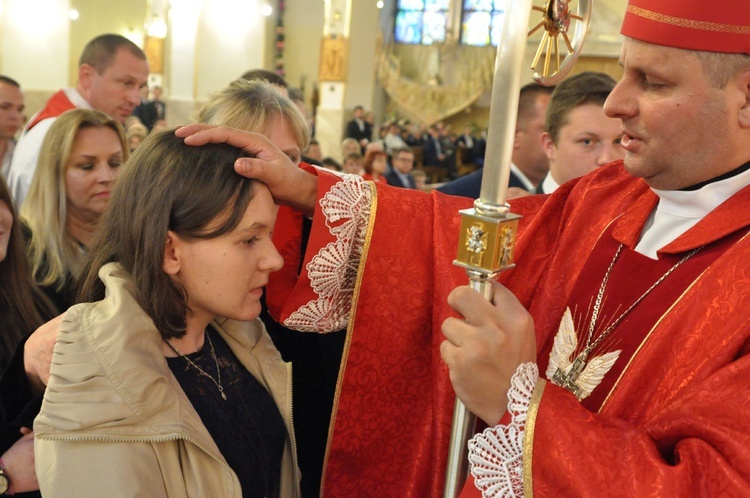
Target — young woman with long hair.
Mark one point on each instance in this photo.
(184, 393)
(23, 308)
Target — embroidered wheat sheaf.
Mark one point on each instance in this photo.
(496, 455)
(333, 271)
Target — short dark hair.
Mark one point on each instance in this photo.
(527, 98)
(265, 75)
(100, 51)
(330, 162)
(10, 81)
(166, 185)
(406, 150)
(587, 87)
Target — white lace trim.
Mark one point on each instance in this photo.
(496, 455)
(333, 271)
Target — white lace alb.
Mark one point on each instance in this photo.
(333, 270)
(496, 455)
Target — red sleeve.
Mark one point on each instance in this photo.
(696, 446)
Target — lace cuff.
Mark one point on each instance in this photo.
(333, 270)
(496, 455)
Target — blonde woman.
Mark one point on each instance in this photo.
(78, 165)
(257, 106)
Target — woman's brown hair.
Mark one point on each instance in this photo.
(165, 185)
(370, 159)
(23, 307)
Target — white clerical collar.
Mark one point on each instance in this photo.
(76, 98)
(549, 184)
(680, 210)
(528, 184)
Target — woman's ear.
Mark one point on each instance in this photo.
(171, 263)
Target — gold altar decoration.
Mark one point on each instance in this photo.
(431, 102)
(154, 49)
(333, 56)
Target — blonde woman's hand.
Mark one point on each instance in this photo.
(37, 353)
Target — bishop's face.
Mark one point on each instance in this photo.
(678, 128)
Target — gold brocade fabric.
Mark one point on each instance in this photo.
(432, 101)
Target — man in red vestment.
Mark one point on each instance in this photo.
(630, 369)
(111, 71)
(624, 329)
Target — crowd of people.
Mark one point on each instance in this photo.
(440, 150)
(165, 294)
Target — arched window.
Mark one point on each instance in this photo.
(421, 22)
(424, 22)
(482, 22)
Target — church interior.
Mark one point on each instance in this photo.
(339, 53)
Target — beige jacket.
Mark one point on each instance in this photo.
(111, 385)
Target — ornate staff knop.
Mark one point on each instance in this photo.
(488, 231)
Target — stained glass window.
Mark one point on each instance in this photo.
(482, 22)
(421, 21)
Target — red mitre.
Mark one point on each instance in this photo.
(719, 26)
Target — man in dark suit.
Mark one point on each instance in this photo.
(146, 112)
(403, 162)
(529, 163)
(358, 128)
(436, 158)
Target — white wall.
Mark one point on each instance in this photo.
(230, 40)
(35, 42)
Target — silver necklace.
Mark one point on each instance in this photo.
(569, 380)
(199, 369)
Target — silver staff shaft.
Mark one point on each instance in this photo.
(504, 107)
(464, 422)
(488, 231)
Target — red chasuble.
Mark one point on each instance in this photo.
(671, 419)
(56, 105)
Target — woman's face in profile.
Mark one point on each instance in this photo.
(281, 134)
(225, 275)
(91, 171)
(6, 222)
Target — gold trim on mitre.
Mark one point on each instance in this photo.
(688, 23)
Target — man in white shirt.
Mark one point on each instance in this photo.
(111, 72)
(11, 119)
(579, 136)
